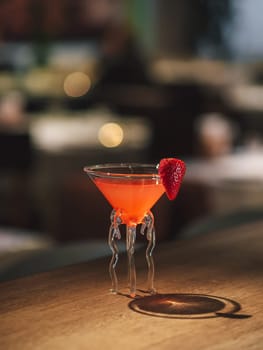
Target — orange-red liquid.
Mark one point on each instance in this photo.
(133, 198)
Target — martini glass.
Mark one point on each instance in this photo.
(132, 190)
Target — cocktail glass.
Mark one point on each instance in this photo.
(132, 190)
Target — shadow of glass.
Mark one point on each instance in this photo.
(187, 306)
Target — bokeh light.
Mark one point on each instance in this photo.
(110, 135)
(77, 84)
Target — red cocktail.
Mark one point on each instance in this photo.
(132, 190)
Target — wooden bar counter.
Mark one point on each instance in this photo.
(71, 308)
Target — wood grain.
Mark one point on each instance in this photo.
(71, 308)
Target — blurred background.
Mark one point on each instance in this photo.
(91, 81)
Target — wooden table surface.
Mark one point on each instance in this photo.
(71, 308)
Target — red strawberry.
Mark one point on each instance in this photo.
(171, 171)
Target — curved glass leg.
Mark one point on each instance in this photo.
(148, 225)
(114, 232)
(130, 244)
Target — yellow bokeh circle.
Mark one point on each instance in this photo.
(76, 84)
(110, 135)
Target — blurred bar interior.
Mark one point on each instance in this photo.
(94, 81)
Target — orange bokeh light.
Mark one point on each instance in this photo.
(77, 84)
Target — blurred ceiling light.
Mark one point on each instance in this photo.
(110, 135)
(76, 84)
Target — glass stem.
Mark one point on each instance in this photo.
(130, 245)
(149, 222)
(114, 232)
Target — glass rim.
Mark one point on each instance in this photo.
(114, 170)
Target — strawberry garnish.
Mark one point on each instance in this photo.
(171, 171)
